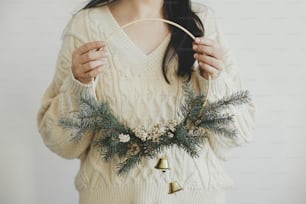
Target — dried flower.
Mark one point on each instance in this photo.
(134, 149)
(124, 137)
(155, 139)
(172, 124)
(170, 134)
(140, 133)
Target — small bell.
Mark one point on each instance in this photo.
(162, 164)
(174, 187)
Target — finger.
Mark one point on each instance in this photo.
(208, 69)
(208, 50)
(206, 75)
(102, 48)
(89, 46)
(204, 41)
(94, 73)
(92, 65)
(209, 60)
(91, 56)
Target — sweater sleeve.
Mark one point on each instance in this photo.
(62, 95)
(229, 81)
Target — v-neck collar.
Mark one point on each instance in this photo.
(130, 43)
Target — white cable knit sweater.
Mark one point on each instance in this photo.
(138, 95)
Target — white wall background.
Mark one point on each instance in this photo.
(268, 40)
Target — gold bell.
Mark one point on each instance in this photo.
(162, 164)
(174, 187)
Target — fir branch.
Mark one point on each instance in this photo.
(103, 118)
(224, 119)
(187, 142)
(190, 104)
(108, 144)
(108, 120)
(237, 98)
(223, 131)
(196, 108)
(76, 135)
(73, 121)
(110, 150)
(122, 150)
(74, 124)
(69, 123)
(128, 164)
(90, 101)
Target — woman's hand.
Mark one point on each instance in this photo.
(210, 57)
(88, 61)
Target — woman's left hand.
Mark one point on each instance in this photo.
(210, 57)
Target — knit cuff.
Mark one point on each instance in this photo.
(77, 87)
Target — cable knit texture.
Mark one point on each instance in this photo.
(138, 95)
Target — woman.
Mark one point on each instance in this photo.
(139, 72)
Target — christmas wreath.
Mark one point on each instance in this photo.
(113, 138)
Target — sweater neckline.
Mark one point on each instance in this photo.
(124, 38)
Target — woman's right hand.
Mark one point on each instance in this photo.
(88, 61)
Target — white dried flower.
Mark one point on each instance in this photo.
(124, 137)
(170, 134)
(172, 128)
(172, 124)
(140, 133)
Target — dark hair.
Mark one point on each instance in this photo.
(178, 11)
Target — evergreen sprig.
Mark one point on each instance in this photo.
(112, 138)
